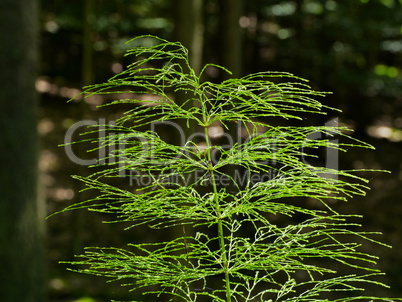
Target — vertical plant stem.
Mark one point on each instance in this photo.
(218, 213)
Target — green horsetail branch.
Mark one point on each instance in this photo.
(233, 173)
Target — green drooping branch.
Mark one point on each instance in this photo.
(260, 242)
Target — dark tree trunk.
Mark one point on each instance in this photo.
(232, 36)
(21, 248)
(189, 29)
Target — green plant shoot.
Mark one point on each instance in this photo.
(249, 218)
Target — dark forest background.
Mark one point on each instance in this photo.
(352, 48)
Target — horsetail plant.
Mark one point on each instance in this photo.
(252, 219)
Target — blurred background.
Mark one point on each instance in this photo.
(352, 48)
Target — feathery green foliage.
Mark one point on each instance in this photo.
(251, 231)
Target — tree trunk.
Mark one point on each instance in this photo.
(232, 59)
(232, 37)
(21, 246)
(189, 29)
(87, 76)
